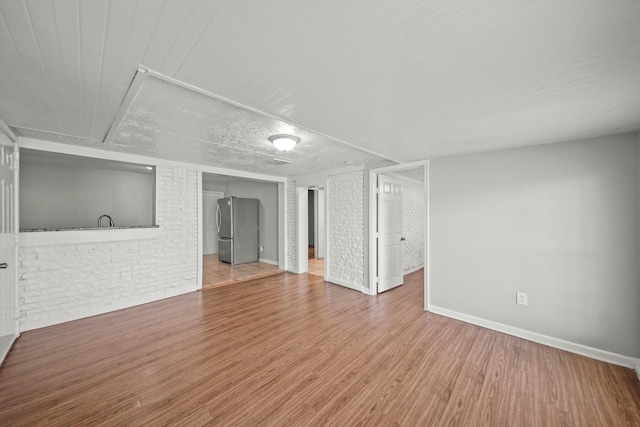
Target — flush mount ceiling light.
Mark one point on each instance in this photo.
(284, 142)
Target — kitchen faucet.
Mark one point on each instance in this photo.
(111, 223)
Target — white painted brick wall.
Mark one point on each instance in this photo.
(413, 207)
(292, 230)
(345, 220)
(58, 283)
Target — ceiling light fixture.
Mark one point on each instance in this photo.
(284, 142)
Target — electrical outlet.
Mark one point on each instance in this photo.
(261, 248)
(521, 298)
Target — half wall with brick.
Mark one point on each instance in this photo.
(59, 283)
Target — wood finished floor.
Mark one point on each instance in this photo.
(294, 350)
(316, 265)
(216, 273)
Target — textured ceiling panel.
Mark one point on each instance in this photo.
(168, 121)
(410, 79)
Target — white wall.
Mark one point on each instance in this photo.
(58, 283)
(267, 194)
(557, 221)
(59, 196)
(345, 224)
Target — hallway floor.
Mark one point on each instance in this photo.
(216, 273)
(316, 265)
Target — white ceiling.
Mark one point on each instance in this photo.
(408, 80)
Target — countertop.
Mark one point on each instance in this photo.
(125, 227)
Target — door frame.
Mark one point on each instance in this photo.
(373, 220)
(6, 130)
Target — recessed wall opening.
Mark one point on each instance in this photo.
(62, 191)
(219, 257)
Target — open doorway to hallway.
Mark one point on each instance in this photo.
(216, 273)
(399, 225)
(316, 227)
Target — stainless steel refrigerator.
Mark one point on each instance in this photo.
(237, 222)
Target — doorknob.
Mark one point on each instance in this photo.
(4, 265)
(402, 239)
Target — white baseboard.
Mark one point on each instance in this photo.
(345, 284)
(268, 261)
(7, 342)
(414, 269)
(583, 350)
(119, 305)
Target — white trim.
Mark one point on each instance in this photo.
(413, 270)
(282, 226)
(583, 350)
(427, 240)
(130, 96)
(7, 349)
(199, 212)
(4, 128)
(342, 283)
(373, 235)
(62, 237)
(327, 225)
(76, 150)
(268, 261)
(81, 314)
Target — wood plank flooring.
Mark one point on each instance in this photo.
(294, 350)
(316, 266)
(216, 273)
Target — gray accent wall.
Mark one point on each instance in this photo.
(62, 196)
(267, 194)
(557, 221)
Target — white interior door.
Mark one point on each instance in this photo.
(8, 245)
(209, 228)
(390, 237)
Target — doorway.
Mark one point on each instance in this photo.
(410, 251)
(316, 231)
(216, 273)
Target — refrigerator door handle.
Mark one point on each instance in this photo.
(218, 218)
